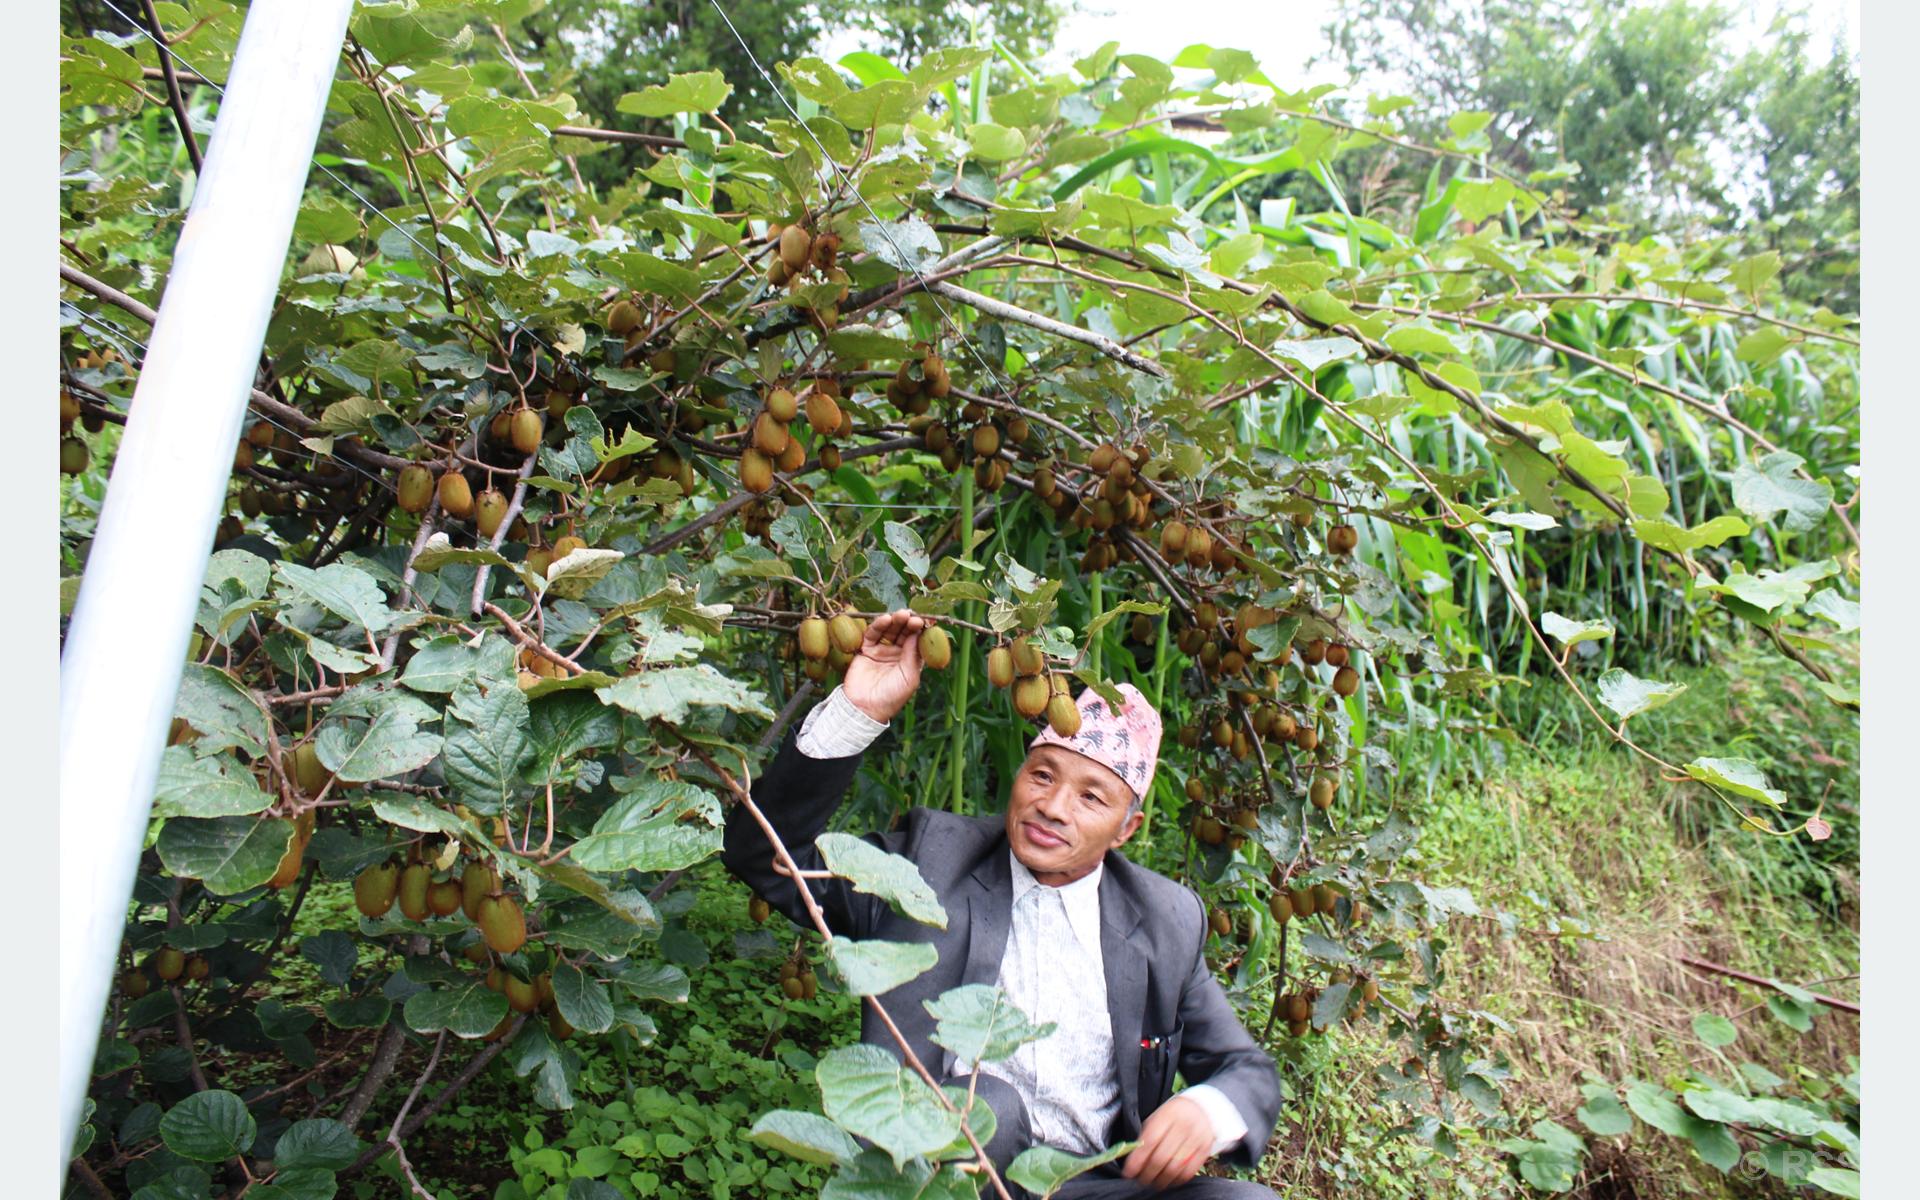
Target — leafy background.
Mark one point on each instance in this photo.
(1564, 330)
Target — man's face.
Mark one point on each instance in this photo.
(1065, 813)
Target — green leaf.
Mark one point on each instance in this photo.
(572, 577)
(1665, 535)
(696, 91)
(345, 591)
(1838, 1180)
(907, 544)
(1572, 633)
(1479, 199)
(317, 1142)
(360, 1012)
(441, 665)
(979, 1023)
(228, 854)
(1760, 347)
(661, 845)
(1604, 1115)
(1628, 696)
(1656, 1106)
(1419, 339)
(1548, 1168)
(388, 745)
(1042, 1169)
(888, 102)
(1715, 1146)
(208, 1126)
(670, 694)
(1763, 489)
(877, 873)
(582, 999)
(1752, 274)
(996, 143)
(907, 245)
(221, 711)
(1832, 606)
(867, 1091)
(1769, 590)
(217, 786)
(873, 968)
(487, 743)
(467, 1009)
(1739, 776)
(1331, 1004)
(807, 1136)
(415, 812)
(1714, 1029)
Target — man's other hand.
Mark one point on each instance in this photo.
(1175, 1143)
(886, 671)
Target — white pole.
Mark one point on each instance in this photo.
(127, 642)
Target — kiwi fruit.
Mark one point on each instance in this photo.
(375, 889)
(826, 251)
(1000, 667)
(814, 638)
(525, 430)
(1324, 898)
(846, 632)
(134, 984)
(456, 495)
(822, 413)
(1030, 695)
(1196, 790)
(167, 963)
(1370, 991)
(501, 923)
(567, 544)
(288, 869)
(477, 882)
(783, 406)
(1337, 655)
(1321, 793)
(1341, 539)
(489, 510)
(936, 648)
(522, 995)
(1314, 652)
(623, 318)
(1299, 1008)
(1209, 831)
(74, 456)
(986, 440)
(443, 898)
(557, 1025)
(758, 910)
(1301, 898)
(1346, 681)
(770, 433)
(793, 457)
(307, 771)
(1063, 715)
(796, 246)
(415, 879)
(794, 989)
(1280, 906)
(756, 471)
(1306, 738)
(1221, 923)
(1027, 657)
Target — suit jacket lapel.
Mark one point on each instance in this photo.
(1124, 958)
(989, 916)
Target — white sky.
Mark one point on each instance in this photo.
(1284, 34)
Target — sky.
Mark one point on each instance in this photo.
(1284, 34)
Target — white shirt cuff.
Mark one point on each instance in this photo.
(1229, 1127)
(836, 728)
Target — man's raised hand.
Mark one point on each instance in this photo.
(885, 672)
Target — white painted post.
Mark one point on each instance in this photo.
(127, 642)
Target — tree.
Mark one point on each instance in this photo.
(545, 481)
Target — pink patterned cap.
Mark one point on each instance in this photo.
(1126, 743)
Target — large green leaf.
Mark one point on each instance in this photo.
(1739, 776)
(221, 712)
(487, 744)
(466, 1008)
(582, 999)
(1629, 696)
(205, 787)
(871, 1095)
(1042, 1169)
(208, 1126)
(391, 744)
(1572, 633)
(1665, 535)
(695, 92)
(671, 694)
(345, 591)
(1770, 486)
(979, 1023)
(317, 1142)
(228, 854)
(809, 1137)
(877, 873)
(872, 968)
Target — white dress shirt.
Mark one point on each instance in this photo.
(1053, 971)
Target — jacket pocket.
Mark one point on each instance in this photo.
(1159, 1061)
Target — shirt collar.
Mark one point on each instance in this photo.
(1081, 898)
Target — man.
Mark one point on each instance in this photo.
(1041, 903)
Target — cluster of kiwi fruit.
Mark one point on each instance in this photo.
(167, 965)
(772, 443)
(828, 644)
(797, 979)
(1021, 667)
(800, 251)
(525, 996)
(421, 892)
(918, 382)
(74, 453)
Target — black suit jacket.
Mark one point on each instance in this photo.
(1152, 934)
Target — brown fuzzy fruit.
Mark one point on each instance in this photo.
(307, 771)
(829, 457)
(936, 649)
(522, 996)
(443, 898)
(1337, 655)
(783, 405)
(74, 456)
(845, 632)
(1341, 539)
(986, 439)
(489, 510)
(1000, 667)
(477, 882)
(567, 544)
(1324, 898)
(1210, 831)
(1346, 681)
(1027, 657)
(526, 430)
(167, 963)
(134, 984)
(1301, 898)
(414, 882)
(1030, 695)
(794, 989)
(623, 318)
(796, 246)
(814, 638)
(375, 888)
(456, 495)
(770, 434)
(1320, 794)
(414, 488)
(1314, 652)
(1220, 922)
(1063, 715)
(1280, 907)
(756, 471)
(822, 413)
(1307, 738)
(502, 924)
(758, 910)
